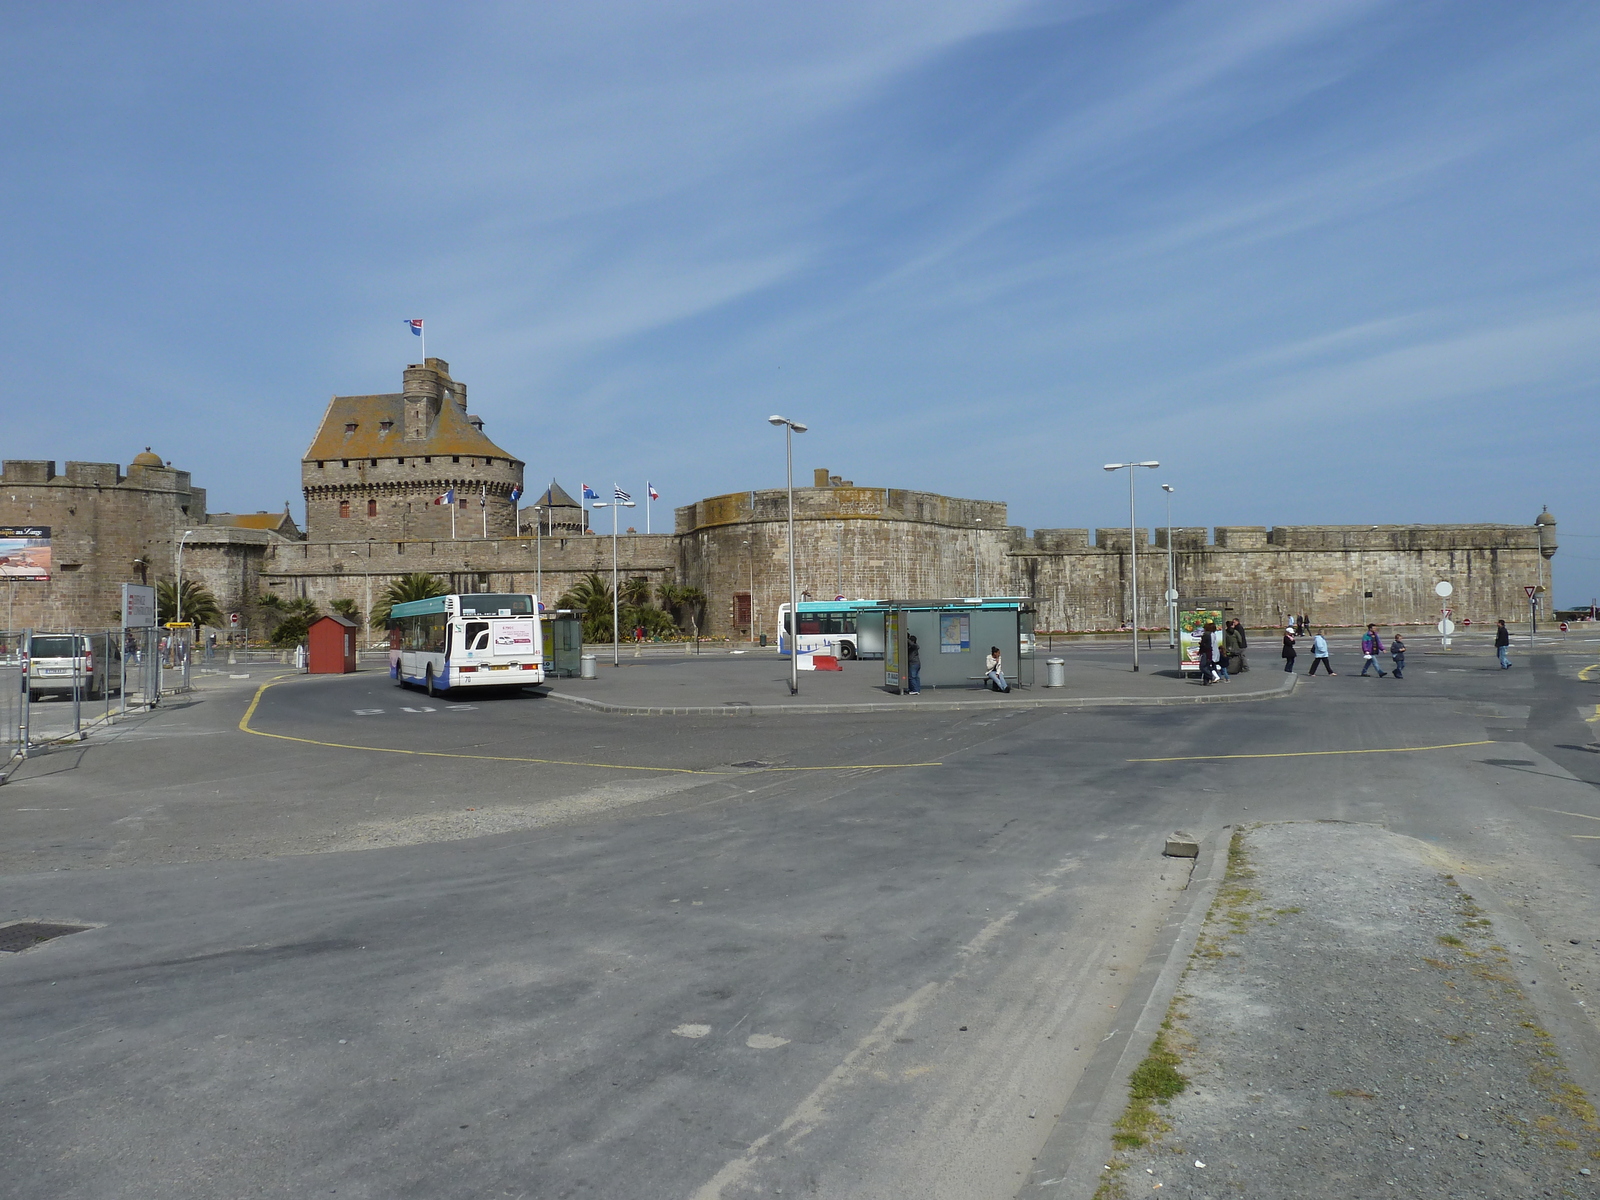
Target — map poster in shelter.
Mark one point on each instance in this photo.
(25, 552)
(1191, 623)
(955, 633)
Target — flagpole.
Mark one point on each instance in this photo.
(647, 499)
(483, 503)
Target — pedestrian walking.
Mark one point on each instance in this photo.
(914, 664)
(1397, 651)
(1502, 646)
(1371, 647)
(1288, 649)
(1319, 655)
(993, 672)
(1208, 653)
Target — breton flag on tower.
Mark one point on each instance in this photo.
(619, 494)
(654, 495)
(589, 493)
(416, 325)
(448, 498)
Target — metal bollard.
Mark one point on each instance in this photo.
(586, 667)
(1055, 672)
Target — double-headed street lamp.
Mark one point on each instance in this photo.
(621, 500)
(1133, 548)
(790, 428)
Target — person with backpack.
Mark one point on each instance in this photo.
(1502, 646)
(994, 674)
(1319, 655)
(1371, 647)
(1397, 651)
(1235, 643)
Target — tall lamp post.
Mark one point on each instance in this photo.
(178, 591)
(621, 501)
(538, 550)
(1133, 548)
(790, 428)
(1172, 578)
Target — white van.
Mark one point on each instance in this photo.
(58, 662)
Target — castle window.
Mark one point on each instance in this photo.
(455, 458)
(344, 508)
(349, 426)
(374, 462)
(319, 464)
(385, 426)
(372, 508)
(427, 458)
(344, 462)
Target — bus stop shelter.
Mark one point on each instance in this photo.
(953, 640)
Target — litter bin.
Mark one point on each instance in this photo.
(586, 667)
(1055, 672)
(763, 639)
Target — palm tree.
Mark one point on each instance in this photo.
(590, 598)
(636, 592)
(199, 605)
(296, 614)
(419, 585)
(348, 609)
(684, 603)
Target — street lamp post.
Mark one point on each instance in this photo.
(1133, 548)
(538, 554)
(1172, 578)
(616, 634)
(790, 428)
(977, 586)
(178, 591)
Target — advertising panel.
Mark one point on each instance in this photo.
(1191, 623)
(955, 632)
(894, 638)
(138, 606)
(511, 637)
(25, 552)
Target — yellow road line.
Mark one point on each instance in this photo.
(1586, 837)
(1584, 674)
(1313, 753)
(245, 727)
(1564, 813)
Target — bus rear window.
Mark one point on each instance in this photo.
(488, 605)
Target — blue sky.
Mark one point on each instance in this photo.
(1329, 262)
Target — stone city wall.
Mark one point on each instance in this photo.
(107, 529)
(391, 499)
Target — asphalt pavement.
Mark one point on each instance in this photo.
(381, 945)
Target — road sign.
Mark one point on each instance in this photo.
(1171, 595)
(1443, 588)
(1530, 589)
(1446, 626)
(233, 620)
(138, 606)
(1563, 627)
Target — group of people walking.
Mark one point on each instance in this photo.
(1372, 651)
(1222, 652)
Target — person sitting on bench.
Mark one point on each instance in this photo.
(994, 676)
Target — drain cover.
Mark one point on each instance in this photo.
(26, 934)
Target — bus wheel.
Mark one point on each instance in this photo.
(431, 692)
(847, 649)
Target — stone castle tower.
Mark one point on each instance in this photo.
(378, 464)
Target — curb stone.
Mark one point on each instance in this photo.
(1072, 1160)
(902, 705)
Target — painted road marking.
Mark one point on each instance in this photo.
(255, 701)
(1314, 753)
(1586, 672)
(1564, 813)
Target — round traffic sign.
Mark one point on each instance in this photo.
(1563, 627)
(1443, 588)
(1446, 626)
(1171, 595)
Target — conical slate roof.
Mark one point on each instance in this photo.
(555, 496)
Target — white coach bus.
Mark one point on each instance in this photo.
(466, 641)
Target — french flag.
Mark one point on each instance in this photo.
(654, 495)
(448, 498)
(589, 493)
(516, 492)
(416, 325)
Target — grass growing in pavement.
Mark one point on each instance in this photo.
(1154, 1081)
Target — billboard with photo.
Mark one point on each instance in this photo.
(25, 552)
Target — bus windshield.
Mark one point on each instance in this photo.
(489, 605)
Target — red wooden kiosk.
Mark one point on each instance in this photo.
(331, 643)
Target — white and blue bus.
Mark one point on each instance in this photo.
(466, 641)
(834, 627)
